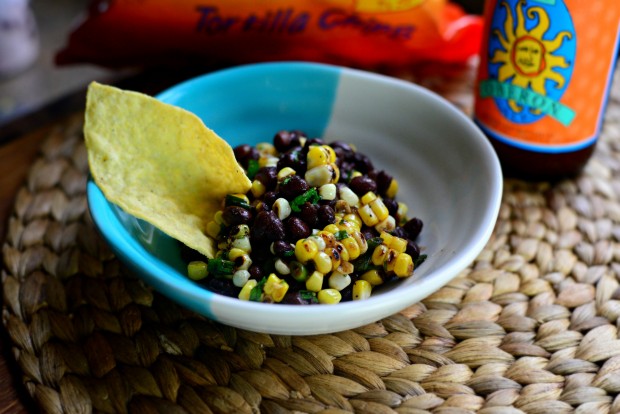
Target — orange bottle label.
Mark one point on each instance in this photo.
(545, 72)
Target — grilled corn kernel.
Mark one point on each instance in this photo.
(267, 161)
(361, 289)
(197, 270)
(258, 188)
(331, 152)
(380, 210)
(344, 254)
(315, 281)
(334, 256)
(352, 247)
(213, 229)
(331, 228)
(346, 268)
(320, 242)
(402, 210)
(361, 241)
(390, 260)
(379, 255)
(328, 237)
(388, 224)
(329, 296)
(373, 277)
(282, 267)
(392, 189)
(285, 172)
(368, 197)
(367, 215)
(243, 244)
(239, 231)
(404, 265)
(398, 244)
(317, 155)
(234, 253)
(348, 226)
(349, 196)
(247, 288)
(322, 174)
(282, 208)
(305, 250)
(240, 277)
(355, 219)
(275, 287)
(328, 191)
(339, 280)
(386, 237)
(322, 262)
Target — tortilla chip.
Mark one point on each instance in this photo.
(159, 163)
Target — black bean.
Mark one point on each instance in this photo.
(413, 249)
(221, 286)
(244, 153)
(293, 187)
(309, 214)
(295, 298)
(293, 159)
(270, 197)
(326, 215)
(383, 180)
(234, 215)
(391, 205)
(297, 229)
(362, 163)
(362, 184)
(282, 141)
(314, 141)
(343, 146)
(400, 232)
(369, 232)
(267, 227)
(413, 228)
(282, 248)
(256, 272)
(268, 176)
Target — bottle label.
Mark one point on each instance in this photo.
(545, 72)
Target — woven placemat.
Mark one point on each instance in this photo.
(530, 327)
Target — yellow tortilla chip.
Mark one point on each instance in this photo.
(159, 163)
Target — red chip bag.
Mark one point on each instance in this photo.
(362, 33)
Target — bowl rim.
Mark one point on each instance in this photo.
(133, 253)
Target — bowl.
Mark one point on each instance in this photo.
(448, 174)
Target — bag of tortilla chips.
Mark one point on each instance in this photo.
(360, 33)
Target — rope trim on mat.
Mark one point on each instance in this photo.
(530, 327)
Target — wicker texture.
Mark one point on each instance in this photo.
(530, 327)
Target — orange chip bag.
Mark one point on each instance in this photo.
(362, 33)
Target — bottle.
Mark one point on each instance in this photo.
(546, 67)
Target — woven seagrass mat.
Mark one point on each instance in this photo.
(530, 327)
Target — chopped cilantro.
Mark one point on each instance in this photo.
(289, 253)
(311, 196)
(253, 168)
(232, 200)
(287, 179)
(308, 295)
(220, 267)
(256, 294)
(421, 258)
(342, 234)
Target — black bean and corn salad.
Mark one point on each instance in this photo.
(319, 225)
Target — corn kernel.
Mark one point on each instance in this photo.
(344, 254)
(282, 208)
(361, 241)
(266, 148)
(404, 265)
(240, 277)
(247, 288)
(243, 244)
(380, 210)
(367, 215)
(390, 260)
(281, 267)
(368, 197)
(379, 254)
(322, 174)
(348, 226)
(213, 229)
(258, 188)
(361, 289)
(317, 155)
(328, 237)
(329, 296)
(197, 270)
(331, 228)
(402, 210)
(234, 253)
(339, 280)
(218, 217)
(349, 196)
(305, 250)
(315, 281)
(331, 152)
(322, 262)
(328, 191)
(285, 172)
(388, 224)
(346, 268)
(267, 161)
(275, 287)
(392, 189)
(352, 247)
(319, 241)
(373, 277)
(398, 244)
(356, 173)
(334, 256)
(355, 219)
(386, 237)
(242, 197)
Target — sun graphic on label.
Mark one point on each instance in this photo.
(526, 57)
